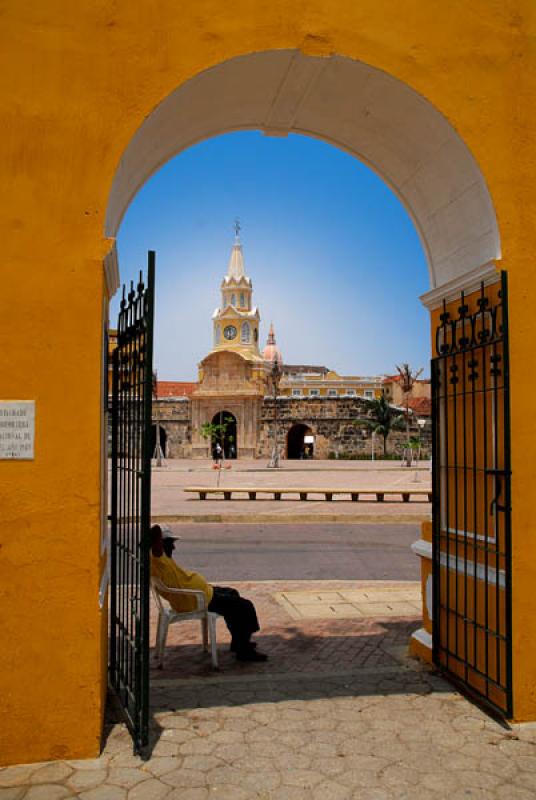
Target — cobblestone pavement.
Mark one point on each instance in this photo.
(338, 713)
(387, 733)
(169, 502)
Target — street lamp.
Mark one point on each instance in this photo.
(275, 376)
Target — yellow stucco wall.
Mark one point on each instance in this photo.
(52, 646)
(77, 81)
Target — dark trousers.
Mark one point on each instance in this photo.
(239, 614)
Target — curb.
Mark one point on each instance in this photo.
(396, 519)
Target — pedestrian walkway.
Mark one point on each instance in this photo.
(340, 712)
(361, 600)
(381, 733)
(300, 638)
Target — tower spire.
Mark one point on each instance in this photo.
(236, 262)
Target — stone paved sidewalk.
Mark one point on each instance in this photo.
(391, 733)
(314, 642)
(340, 712)
(379, 599)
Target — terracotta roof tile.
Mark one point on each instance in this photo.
(176, 388)
(421, 405)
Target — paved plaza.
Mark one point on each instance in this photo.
(394, 732)
(340, 712)
(171, 503)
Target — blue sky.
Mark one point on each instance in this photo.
(335, 260)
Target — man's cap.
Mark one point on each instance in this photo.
(167, 533)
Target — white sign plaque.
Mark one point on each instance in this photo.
(17, 429)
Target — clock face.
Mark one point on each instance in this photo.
(229, 332)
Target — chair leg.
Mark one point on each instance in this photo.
(157, 641)
(213, 644)
(162, 641)
(204, 631)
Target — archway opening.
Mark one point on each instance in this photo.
(163, 441)
(418, 154)
(360, 109)
(300, 442)
(224, 441)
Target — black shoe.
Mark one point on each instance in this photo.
(251, 655)
(232, 648)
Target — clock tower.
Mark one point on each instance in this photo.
(236, 321)
(232, 377)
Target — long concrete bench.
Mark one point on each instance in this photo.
(277, 493)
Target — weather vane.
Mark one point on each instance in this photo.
(237, 227)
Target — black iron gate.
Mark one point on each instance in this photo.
(472, 514)
(131, 505)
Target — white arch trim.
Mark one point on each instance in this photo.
(358, 108)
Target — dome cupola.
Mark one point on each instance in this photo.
(272, 352)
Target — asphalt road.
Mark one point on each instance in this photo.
(244, 552)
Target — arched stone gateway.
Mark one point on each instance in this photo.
(163, 440)
(300, 442)
(226, 435)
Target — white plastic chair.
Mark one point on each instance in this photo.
(168, 616)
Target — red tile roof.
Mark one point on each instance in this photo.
(421, 405)
(176, 388)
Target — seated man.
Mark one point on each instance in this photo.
(239, 614)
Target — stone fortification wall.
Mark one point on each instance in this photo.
(332, 423)
(175, 417)
(331, 420)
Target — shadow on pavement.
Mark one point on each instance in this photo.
(278, 680)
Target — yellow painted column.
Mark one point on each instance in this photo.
(53, 630)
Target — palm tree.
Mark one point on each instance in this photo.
(383, 420)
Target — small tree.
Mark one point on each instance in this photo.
(415, 444)
(408, 378)
(383, 420)
(216, 432)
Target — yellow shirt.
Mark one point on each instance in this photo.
(166, 570)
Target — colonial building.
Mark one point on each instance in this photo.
(302, 380)
(319, 412)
